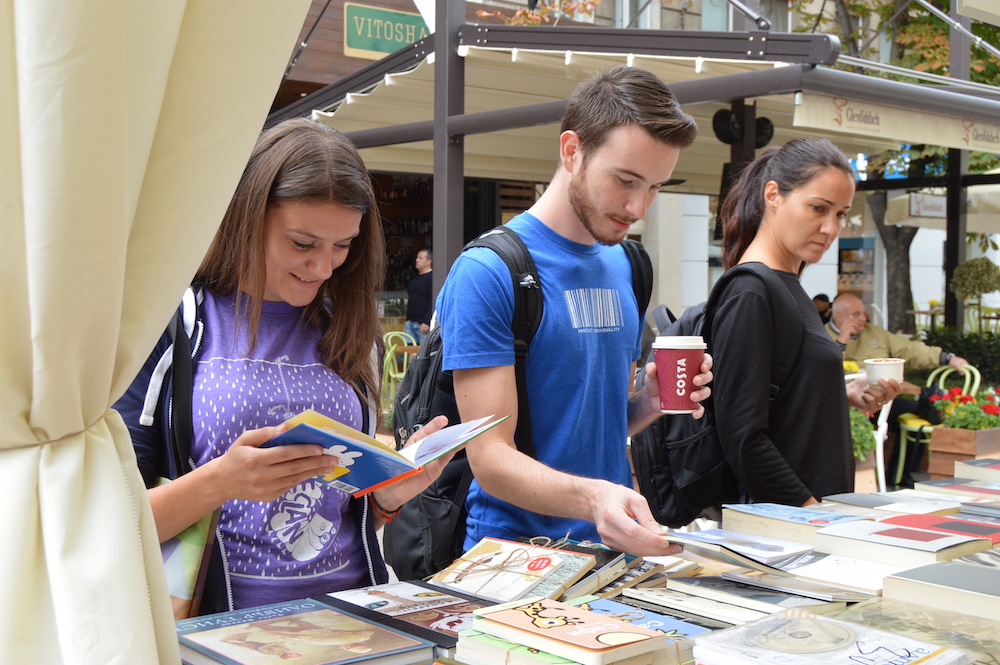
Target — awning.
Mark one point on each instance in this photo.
(981, 10)
(509, 80)
(843, 115)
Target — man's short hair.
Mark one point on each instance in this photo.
(626, 96)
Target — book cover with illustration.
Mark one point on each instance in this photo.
(675, 629)
(363, 464)
(796, 637)
(564, 630)
(306, 631)
(930, 624)
(505, 570)
(415, 607)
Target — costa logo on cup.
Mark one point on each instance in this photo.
(682, 382)
(677, 362)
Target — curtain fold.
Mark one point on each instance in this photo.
(124, 127)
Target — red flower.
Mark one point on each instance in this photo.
(955, 392)
(991, 409)
(965, 399)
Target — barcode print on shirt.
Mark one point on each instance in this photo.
(594, 310)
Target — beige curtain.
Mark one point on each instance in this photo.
(124, 125)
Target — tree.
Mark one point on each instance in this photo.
(544, 11)
(919, 41)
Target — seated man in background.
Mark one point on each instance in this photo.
(822, 303)
(859, 340)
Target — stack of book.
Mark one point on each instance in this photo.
(563, 630)
(967, 487)
(887, 543)
(774, 520)
(978, 469)
(956, 586)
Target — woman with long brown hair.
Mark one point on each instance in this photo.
(282, 316)
(785, 211)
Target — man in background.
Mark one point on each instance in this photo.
(823, 306)
(859, 340)
(420, 305)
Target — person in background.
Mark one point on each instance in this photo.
(822, 303)
(420, 304)
(785, 211)
(620, 139)
(284, 309)
(859, 339)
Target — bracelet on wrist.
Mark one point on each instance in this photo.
(387, 515)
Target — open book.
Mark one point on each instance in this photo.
(364, 464)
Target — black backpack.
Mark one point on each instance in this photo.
(429, 532)
(678, 461)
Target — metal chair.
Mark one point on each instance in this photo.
(394, 366)
(398, 338)
(912, 426)
(881, 432)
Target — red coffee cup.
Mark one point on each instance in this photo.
(678, 360)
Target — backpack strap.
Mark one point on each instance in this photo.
(786, 321)
(528, 308)
(181, 396)
(642, 272)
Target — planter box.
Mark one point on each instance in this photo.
(949, 445)
(865, 478)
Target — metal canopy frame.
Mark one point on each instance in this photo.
(807, 53)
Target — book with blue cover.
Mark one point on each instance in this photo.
(363, 464)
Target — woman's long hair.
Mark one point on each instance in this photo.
(791, 166)
(303, 161)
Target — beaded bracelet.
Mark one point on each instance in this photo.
(387, 515)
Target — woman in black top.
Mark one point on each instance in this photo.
(785, 211)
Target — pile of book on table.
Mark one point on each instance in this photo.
(911, 576)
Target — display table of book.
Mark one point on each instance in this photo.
(949, 445)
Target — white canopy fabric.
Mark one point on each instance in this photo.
(928, 210)
(124, 127)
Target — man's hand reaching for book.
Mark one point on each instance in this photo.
(625, 523)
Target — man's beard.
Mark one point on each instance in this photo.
(586, 212)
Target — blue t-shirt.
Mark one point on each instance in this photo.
(306, 541)
(577, 368)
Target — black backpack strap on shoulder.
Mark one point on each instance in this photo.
(785, 317)
(181, 396)
(528, 307)
(642, 272)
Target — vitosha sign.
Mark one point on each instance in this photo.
(372, 32)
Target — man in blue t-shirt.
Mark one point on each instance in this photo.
(620, 139)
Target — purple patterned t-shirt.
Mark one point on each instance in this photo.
(307, 541)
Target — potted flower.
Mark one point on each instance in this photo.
(970, 427)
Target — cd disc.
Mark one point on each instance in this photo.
(799, 634)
